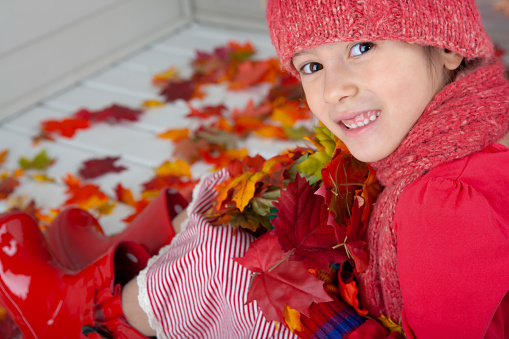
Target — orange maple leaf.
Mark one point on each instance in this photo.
(249, 73)
(289, 112)
(348, 291)
(86, 196)
(223, 124)
(243, 125)
(3, 155)
(162, 78)
(250, 110)
(271, 131)
(240, 52)
(177, 168)
(124, 195)
(222, 158)
(175, 135)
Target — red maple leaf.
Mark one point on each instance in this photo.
(179, 90)
(96, 167)
(301, 224)
(66, 127)
(342, 177)
(206, 112)
(115, 114)
(278, 282)
(7, 186)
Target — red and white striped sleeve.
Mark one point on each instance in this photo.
(193, 288)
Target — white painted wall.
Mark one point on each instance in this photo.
(46, 45)
(248, 14)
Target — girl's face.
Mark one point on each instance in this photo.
(369, 94)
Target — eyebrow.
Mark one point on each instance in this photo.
(299, 53)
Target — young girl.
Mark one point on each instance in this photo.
(412, 88)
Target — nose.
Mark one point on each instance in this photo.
(339, 85)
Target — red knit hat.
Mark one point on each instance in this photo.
(296, 25)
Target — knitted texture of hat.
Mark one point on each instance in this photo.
(297, 25)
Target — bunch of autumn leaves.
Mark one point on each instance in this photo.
(310, 208)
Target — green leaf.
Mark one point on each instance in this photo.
(297, 133)
(263, 205)
(311, 168)
(326, 139)
(40, 162)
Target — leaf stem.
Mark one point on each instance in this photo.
(282, 260)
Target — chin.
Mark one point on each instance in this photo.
(367, 157)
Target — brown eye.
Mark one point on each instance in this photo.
(361, 48)
(311, 67)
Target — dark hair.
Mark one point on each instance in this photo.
(450, 75)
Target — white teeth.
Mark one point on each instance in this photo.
(353, 126)
(363, 123)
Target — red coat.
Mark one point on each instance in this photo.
(452, 227)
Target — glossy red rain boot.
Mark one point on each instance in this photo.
(76, 239)
(47, 301)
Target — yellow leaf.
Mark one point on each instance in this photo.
(170, 73)
(149, 194)
(42, 178)
(178, 168)
(389, 324)
(106, 208)
(288, 113)
(292, 319)
(93, 203)
(3, 155)
(175, 134)
(46, 218)
(244, 188)
(152, 103)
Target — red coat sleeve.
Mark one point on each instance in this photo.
(453, 250)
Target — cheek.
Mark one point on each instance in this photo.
(313, 100)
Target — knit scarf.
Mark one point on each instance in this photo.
(465, 117)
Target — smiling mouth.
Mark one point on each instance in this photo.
(361, 120)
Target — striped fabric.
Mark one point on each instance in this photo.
(194, 288)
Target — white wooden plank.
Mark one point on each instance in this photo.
(170, 116)
(79, 97)
(125, 82)
(153, 61)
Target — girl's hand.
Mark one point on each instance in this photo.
(177, 221)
